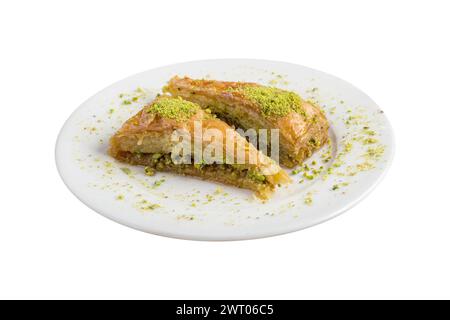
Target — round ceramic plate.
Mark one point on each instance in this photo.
(334, 179)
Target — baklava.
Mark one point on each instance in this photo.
(147, 139)
(302, 125)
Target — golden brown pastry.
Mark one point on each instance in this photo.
(302, 126)
(147, 139)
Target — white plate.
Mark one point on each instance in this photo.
(182, 207)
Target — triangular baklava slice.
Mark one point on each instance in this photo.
(148, 139)
(302, 126)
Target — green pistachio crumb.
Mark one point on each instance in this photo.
(198, 166)
(308, 176)
(370, 141)
(152, 206)
(157, 183)
(348, 147)
(272, 101)
(308, 200)
(366, 130)
(149, 171)
(174, 108)
(374, 152)
(127, 171)
(256, 176)
(365, 166)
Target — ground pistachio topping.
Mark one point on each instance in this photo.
(273, 101)
(256, 176)
(174, 108)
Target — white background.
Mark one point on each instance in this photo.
(56, 54)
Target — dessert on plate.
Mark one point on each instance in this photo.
(147, 139)
(303, 127)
